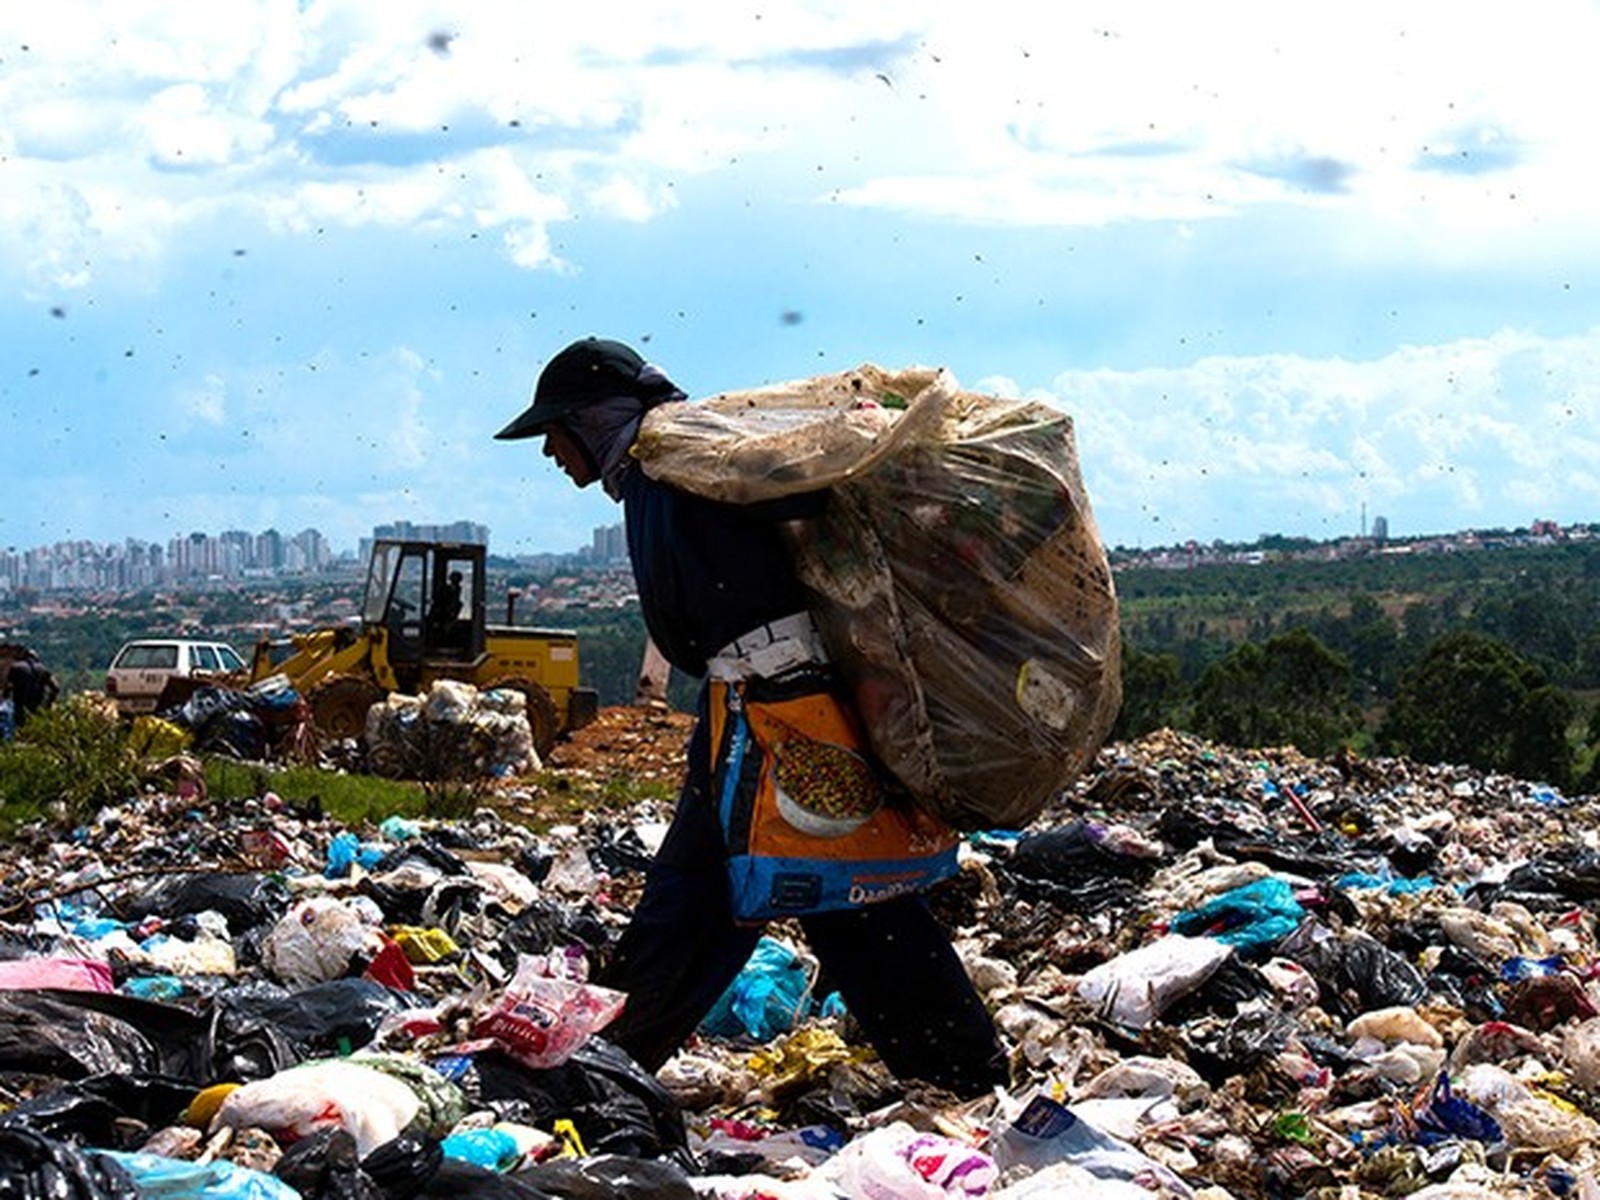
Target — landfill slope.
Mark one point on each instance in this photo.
(1217, 972)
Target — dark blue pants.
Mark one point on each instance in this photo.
(891, 961)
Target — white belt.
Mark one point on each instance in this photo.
(770, 650)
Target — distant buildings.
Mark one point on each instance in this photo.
(133, 564)
(238, 555)
(608, 544)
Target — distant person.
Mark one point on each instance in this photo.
(450, 602)
(713, 578)
(32, 686)
(446, 608)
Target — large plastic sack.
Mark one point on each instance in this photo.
(72, 974)
(1135, 988)
(160, 1178)
(317, 940)
(959, 577)
(371, 1105)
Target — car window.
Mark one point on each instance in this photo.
(163, 657)
(205, 658)
(230, 660)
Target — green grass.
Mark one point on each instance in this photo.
(544, 798)
(64, 764)
(351, 799)
(73, 759)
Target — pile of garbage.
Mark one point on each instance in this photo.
(1216, 973)
(453, 731)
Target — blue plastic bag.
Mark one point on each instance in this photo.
(492, 1149)
(770, 995)
(1253, 917)
(155, 1175)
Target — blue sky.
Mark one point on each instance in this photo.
(266, 263)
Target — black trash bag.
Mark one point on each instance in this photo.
(1231, 985)
(25, 943)
(448, 888)
(329, 1018)
(1355, 972)
(534, 862)
(1562, 879)
(95, 1111)
(1324, 855)
(609, 1177)
(616, 1105)
(178, 1036)
(1463, 980)
(546, 924)
(327, 1166)
(241, 735)
(34, 1166)
(45, 1033)
(426, 852)
(246, 901)
(619, 853)
(1242, 1045)
(205, 704)
(1076, 869)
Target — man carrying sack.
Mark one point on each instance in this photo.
(783, 811)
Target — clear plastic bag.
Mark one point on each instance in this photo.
(548, 1010)
(959, 577)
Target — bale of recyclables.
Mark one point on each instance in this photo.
(959, 578)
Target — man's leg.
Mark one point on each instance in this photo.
(681, 949)
(677, 956)
(904, 984)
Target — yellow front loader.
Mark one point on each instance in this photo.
(423, 619)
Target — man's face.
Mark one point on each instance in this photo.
(560, 445)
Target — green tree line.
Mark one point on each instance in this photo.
(1490, 659)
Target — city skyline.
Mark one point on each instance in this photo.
(133, 563)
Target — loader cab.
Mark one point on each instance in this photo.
(428, 597)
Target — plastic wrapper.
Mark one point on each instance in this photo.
(897, 1160)
(770, 995)
(959, 577)
(548, 1010)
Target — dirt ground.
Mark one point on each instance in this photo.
(645, 743)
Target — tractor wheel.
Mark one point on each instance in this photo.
(339, 706)
(542, 716)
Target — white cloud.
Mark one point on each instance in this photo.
(1437, 430)
(1160, 112)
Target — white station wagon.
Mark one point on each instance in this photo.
(141, 669)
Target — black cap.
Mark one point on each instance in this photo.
(588, 370)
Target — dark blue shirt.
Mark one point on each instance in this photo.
(708, 571)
